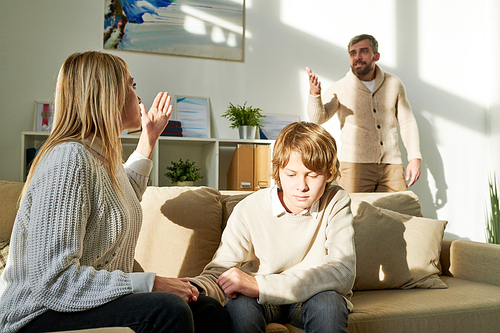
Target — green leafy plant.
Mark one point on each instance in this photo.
(183, 171)
(244, 116)
(493, 216)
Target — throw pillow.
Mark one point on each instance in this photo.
(404, 202)
(9, 197)
(396, 250)
(181, 230)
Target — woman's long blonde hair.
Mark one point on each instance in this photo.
(89, 103)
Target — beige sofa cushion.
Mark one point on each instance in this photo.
(404, 202)
(9, 198)
(181, 230)
(395, 250)
(465, 306)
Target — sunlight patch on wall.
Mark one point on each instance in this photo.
(337, 21)
(454, 53)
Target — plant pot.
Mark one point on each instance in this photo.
(184, 183)
(247, 132)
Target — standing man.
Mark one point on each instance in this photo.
(369, 102)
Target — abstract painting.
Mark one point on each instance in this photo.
(206, 29)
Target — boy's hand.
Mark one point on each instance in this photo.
(234, 282)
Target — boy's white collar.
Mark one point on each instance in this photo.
(279, 210)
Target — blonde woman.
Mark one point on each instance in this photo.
(73, 241)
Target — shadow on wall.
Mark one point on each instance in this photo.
(431, 164)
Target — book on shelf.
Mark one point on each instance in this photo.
(173, 128)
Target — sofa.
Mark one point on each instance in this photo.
(409, 278)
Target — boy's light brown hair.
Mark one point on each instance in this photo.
(316, 146)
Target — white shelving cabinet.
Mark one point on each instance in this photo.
(212, 155)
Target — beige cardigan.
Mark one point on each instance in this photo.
(368, 120)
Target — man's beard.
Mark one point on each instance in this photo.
(364, 70)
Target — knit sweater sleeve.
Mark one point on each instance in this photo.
(408, 125)
(336, 273)
(62, 191)
(320, 112)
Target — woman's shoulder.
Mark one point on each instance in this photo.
(70, 149)
(71, 154)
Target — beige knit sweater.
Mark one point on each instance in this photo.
(293, 257)
(369, 119)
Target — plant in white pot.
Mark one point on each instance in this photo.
(183, 173)
(246, 118)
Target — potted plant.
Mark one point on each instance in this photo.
(493, 216)
(246, 118)
(183, 173)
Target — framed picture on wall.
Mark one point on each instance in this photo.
(44, 115)
(274, 123)
(206, 29)
(194, 115)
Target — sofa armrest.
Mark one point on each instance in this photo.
(444, 260)
(475, 261)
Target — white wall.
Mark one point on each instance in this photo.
(446, 58)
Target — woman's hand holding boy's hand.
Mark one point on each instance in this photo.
(235, 281)
(180, 287)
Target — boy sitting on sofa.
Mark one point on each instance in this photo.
(287, 253)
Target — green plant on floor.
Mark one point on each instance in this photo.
(493, 216)
(243, 116)
(183, 171)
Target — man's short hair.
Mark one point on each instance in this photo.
(358, 38)
(316, 146)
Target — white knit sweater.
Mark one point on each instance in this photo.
(74, 237)
(293, 257)
(369, 119)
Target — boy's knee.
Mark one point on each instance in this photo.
(327, 302)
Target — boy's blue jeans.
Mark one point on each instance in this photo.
(324, 312)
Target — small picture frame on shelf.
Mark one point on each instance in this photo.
(44, 115)
(193, 113)
(274, 123)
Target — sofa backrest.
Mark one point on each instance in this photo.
(9, 198)
(182, 226)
